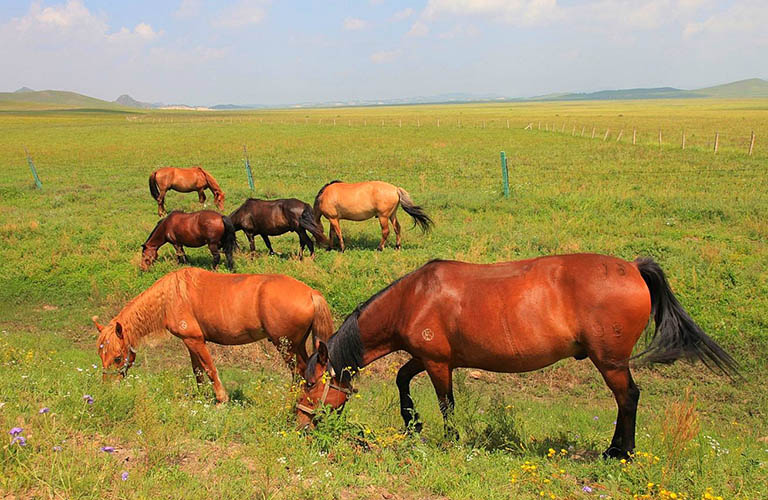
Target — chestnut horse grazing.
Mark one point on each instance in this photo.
(273, 217)
(196, 229)
(199, 306)
(362, 201)
(513, 317)
(183, 180)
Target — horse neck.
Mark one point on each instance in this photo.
(145, 314)
(156, 237)
(212, 184)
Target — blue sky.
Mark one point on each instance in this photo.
(273, 52)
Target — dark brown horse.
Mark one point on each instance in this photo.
(183, 180)
(199, 306)
(274, 217)
(195, 229)
(362, 201)
(513, 317)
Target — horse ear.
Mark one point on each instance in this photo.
(98, 326)
(119, 330)
(322, 353)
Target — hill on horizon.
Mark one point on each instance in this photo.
(26, 98)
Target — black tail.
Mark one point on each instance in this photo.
(676, 335)
(420, 217)
(153, 187)
(229, 241)
(307, 222)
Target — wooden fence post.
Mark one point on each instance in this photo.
(418, 123)
(563, 129)
(752, 143)
(539, 125)
(683, 145)
(634, 136)
(507, 123)
(582, 131)
(593, 132)
(659, 137)
(607, 131)
(400, 123)
(573, 132)
(621, 132)
(438, 123)
(717, 141)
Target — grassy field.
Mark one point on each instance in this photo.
(71, 250)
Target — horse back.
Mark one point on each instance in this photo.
(359, 200)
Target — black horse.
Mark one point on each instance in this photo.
(274, 217)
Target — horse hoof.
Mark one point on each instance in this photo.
(380, 249)
(616, 453)
(397, 247)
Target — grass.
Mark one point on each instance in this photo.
(71, 250)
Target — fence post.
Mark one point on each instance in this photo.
(683, 146)
(438, 123)
(505, 174)
(573, 132)
(34, 170)
(248, 168)
(659, 137)
(593, 132)
(400, 123)
(607, 131)
(752, 143)
(563, 129)
(582, 131)
(634, 136)
(507, 123)
(539, 125)
(717, 140)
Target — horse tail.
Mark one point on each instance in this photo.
(153, 190)
(308, 222)
(677, 335)
(420, 217)
(322, 323)
(229, 241)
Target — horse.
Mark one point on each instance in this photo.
(199, 306)
(363, 200)
(183, 180)
(195, 229)
(513, 317)
(274, 217)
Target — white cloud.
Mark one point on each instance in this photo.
(354, 24)
(740, 18)
(243, 13)
(385, 56)
(402, 14)
(418, 29)
(189, 8)
(516, 12)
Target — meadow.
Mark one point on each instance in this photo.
(71, 250)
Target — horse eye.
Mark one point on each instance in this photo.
(117, 359)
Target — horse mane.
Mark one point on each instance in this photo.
(144, 315)
(151, 233)
(320, 193)
(211, 181)
(345, 347)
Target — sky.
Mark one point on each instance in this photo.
(205, 52)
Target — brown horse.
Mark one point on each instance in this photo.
(199, 306)
(513, 317)
(183, 180)
(273, 217)
(362, 201)
(196, 229)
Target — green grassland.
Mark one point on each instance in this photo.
(71, 250)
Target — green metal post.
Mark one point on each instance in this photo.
(505, 174)
(248, 168)
(34, 170)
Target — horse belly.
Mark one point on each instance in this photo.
(231, 320)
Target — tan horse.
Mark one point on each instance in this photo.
(199, 306)
(183, 180)
(365, 200)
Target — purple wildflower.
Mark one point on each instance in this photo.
(88, 399)
(15, 431)
(44, 409)
(124, 476)
(57, 448)
(108, 449)
(19, 439)
(586, 489)
(595, 417)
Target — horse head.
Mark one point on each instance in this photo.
(148, 257)
(322, 388)
(117, 355)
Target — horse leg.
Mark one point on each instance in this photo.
(442, 379)
(396, 224)
(384, 221)
(619, 380)
(331, 233)
(337, 229)
(201, 197)
(197, 345)
(214, 248)
(269, 245)
(305, 241)
(250, 240)
(404, 377)
(181, 257)
(161, 203)
(197, 367)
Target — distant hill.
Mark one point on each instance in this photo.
(753, 87)
(130, 102)
(23, 89)
(50, 99)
